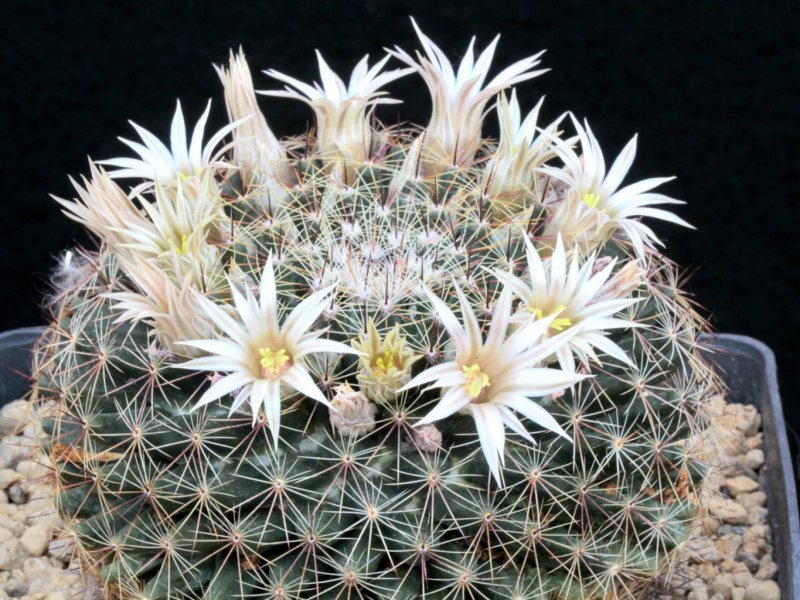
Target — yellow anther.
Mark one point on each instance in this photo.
(183, 249)
(591, 199)
(477, 380)
(557, 324)
(536, 312)
(274, 364)
(385, 361)
(560, 323)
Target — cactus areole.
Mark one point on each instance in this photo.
(374, 362)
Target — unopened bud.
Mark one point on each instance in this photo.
(352, 415)
(428, 438)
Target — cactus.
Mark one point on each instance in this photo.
(374, 362)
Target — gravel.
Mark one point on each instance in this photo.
(33, 565)
(729, 556)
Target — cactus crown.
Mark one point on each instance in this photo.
(374, 362)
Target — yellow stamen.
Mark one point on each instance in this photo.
(384, 362)
(557, 324)
(274, 364)
(477, 380)
(183, 247)
(591, 199)
(536, 312)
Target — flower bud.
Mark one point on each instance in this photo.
(352, 415)
(385, 364)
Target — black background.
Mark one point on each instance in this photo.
(710, 86)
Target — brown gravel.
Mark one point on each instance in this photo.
(729, 556)
(33, 565)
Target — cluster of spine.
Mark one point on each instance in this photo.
(169, 497)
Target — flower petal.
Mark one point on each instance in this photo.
(535, 413)
(492, 436)
(224, 386)
(272, 410)
(298, 378)
(453, 400)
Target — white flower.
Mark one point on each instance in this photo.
(491, 378)
(156, 162)
(256, 150)
(522, 149)
(575, 295)
(263, 359)
(343, 112)
(460, 97)
(594, 207)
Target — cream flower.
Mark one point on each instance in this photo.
(104, 209)
(460, 97)
(172, 309)
(523, 148)
(575, 295)
(385, 363)
(594, 207)
(490, 378)
(263, 359)
(256, 150)
(343, 112)
(173, 230)
(156, 162)
(176, 216)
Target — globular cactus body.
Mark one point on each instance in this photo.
(375, 363)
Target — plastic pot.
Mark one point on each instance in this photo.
(15, 361)
(747, 365)
(749, 369)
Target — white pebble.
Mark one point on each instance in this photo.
(35, 540)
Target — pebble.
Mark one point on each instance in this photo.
(758, 515)
(12, 416)
(753, 499)
(722, 584)
(727, 510)
(8, 477)
(762, 590)
(754, 458)
(31, 566)
(35, 540)
(730, 554)
(17, 495)
(62, 549)
(740, 485)
(729, 545)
